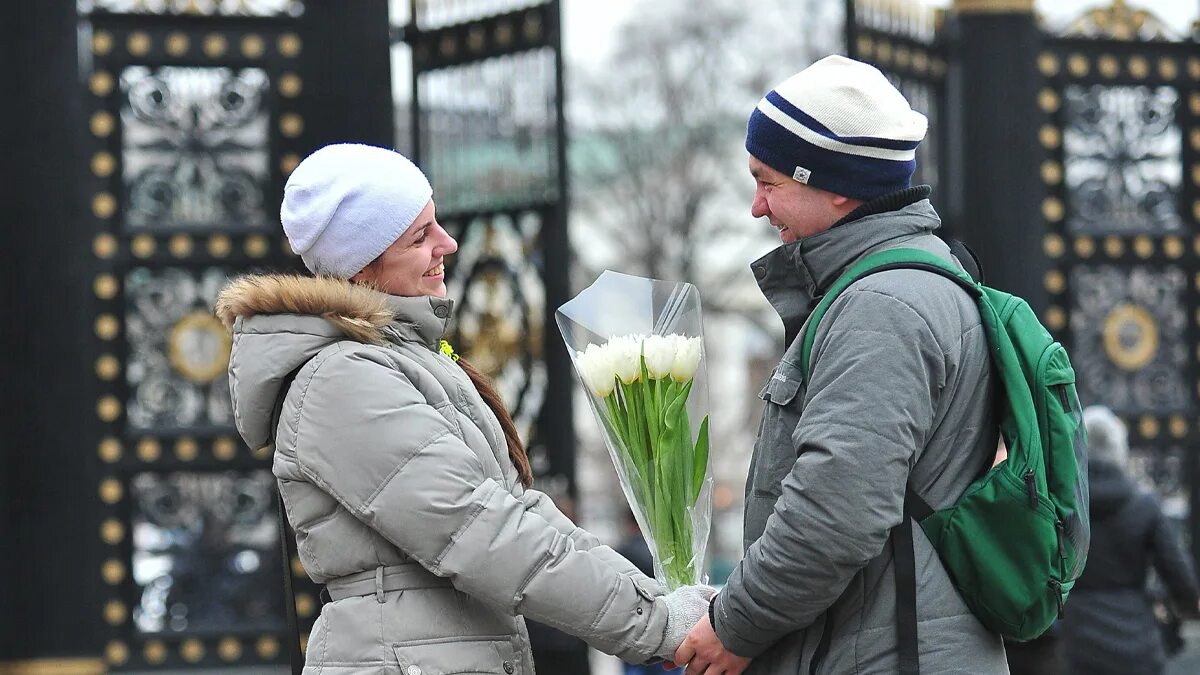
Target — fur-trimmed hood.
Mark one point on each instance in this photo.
(279, 322)
(359, 312)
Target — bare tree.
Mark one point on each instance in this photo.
(658, 170)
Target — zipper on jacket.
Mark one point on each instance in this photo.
(823, 645)
(1031, 488)
(1057, 587)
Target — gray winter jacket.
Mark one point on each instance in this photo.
(396, 477)
(901, 393)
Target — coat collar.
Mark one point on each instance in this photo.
(360, 313)
(794, 276)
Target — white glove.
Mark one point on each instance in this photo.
(686, 605)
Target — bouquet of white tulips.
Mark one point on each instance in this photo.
(636, 344)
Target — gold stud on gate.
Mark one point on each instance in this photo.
(108, 408)
(229, 649)
(110, 450)
(149, 450)
(103, 164)
(116, 653)
(138, 43)
(288, 45)
(107, 367)
(105, 286)
(215, 45)
(1114, 246)
(113, 572)
(154, 652)
(1053, 246)
(102, 42)
(101, 124)
(267, 648)
(104, 246)
(100, 83)
(252, 46)
(111, 491)
(107, 327)
(191, 650)
(112, 531)
(115, 612)
(1047, 64)
(1085, 247)
(142, 246)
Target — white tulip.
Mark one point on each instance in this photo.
(626, 352)
(660, 355)
(687, 359)
(596, 369)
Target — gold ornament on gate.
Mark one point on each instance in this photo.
(198, 347)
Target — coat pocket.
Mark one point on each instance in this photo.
(774, 451)
(493, 655)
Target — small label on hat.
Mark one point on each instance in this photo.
(801, 175)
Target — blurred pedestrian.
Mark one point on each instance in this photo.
(401, 472)
(1109, 627)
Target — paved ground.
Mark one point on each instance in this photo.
(1188, 661)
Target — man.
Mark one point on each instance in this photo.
(900, 395)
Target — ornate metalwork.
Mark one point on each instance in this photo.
(1119, 21)
(1129, 337)
(902, 39)
(205, 552)
(1121, 152)
(437, 13)
(195, 149)
(177, 357)
(489, 133)
(499, 324)
(291, 8)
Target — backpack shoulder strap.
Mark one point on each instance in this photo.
(891, 259)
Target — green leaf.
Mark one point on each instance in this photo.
(700, 467)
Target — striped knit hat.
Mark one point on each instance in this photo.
(840, 126)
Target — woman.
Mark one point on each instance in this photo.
(1109, 625)
(400, 470)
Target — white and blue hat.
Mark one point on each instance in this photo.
(840, 126)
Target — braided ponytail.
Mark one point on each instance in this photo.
(516, 451)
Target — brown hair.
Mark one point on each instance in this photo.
(516, 451)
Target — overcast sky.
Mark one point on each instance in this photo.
(590, 25)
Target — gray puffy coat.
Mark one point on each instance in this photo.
(396, 477)
(901, 393)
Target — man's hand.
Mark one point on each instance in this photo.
(704, 654)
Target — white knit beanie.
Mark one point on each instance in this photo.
(346, 203)
(1107, 438)
(840, 126)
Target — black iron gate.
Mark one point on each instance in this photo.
(1120, 99)
(193, 123)
(485, 122)
(1070, 159)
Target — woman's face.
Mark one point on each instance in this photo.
(414, 264)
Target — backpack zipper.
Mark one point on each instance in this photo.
(1057, 587)
(1061, 530)
(1031, 488)
(1062, 397)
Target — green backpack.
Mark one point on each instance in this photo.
(1017, 539)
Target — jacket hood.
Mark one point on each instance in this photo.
(280, 322)
(1109, 489)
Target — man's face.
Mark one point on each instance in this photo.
(795, 209)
